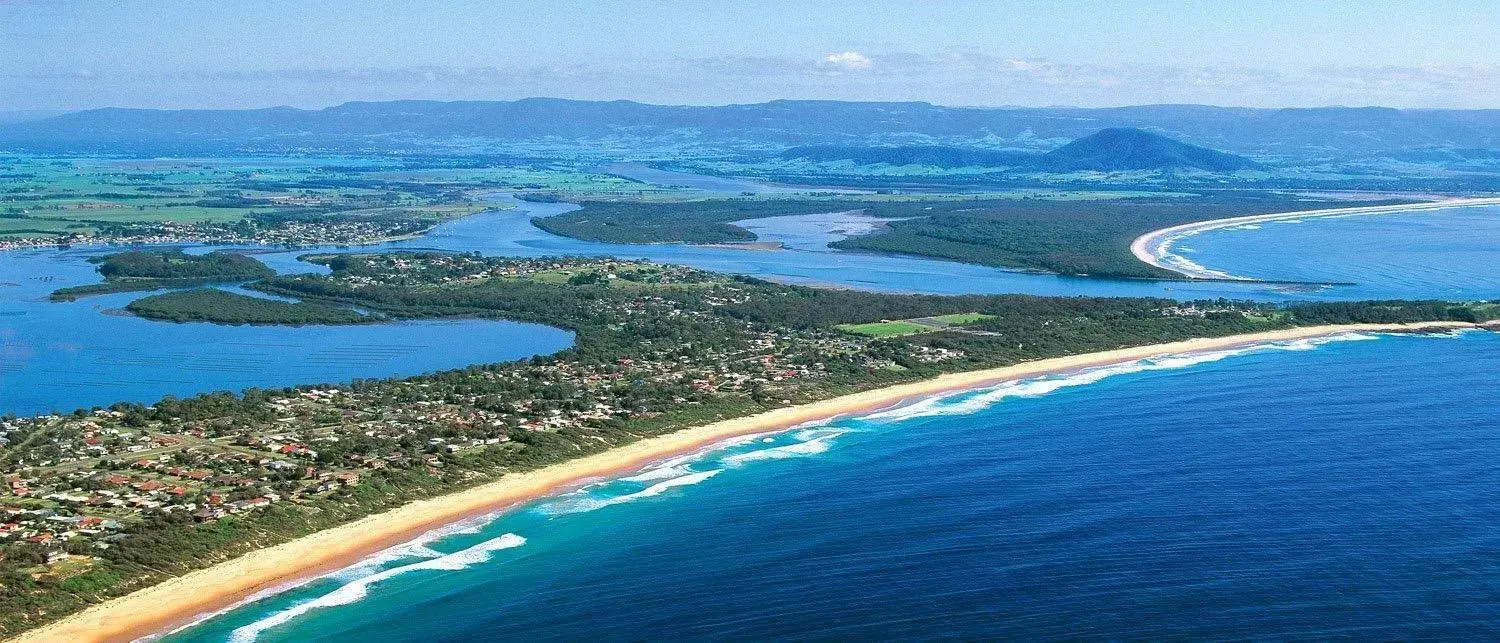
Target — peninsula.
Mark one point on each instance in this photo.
(132, 512)
(176, 602)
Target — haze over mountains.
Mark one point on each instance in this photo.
(1324, 133)
(1109, 150)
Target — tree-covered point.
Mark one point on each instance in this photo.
(684, 222)
(153, 269)
(1071, 237)
(176, 264)
(218, 306)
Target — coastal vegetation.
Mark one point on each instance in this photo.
(218, 306)
(1070, 237)
(700, 222)
(155, 269)
(104, 501)
(174, 264)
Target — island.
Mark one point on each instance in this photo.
(112, 501)
(218, 306)
(171, 268)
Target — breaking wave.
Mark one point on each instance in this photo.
(414, 548)
(357, 589)
(975, 401)
(582, 504)
(811, 443)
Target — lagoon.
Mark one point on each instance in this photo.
(59, 356)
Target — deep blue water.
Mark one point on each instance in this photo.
(1453, 253)
(1317, 489)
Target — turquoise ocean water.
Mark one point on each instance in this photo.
(1340, 487)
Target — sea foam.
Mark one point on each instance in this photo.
(356, 590)
(583, 504)
(975, 401)
(810, 443)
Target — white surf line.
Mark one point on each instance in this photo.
(1155, 247)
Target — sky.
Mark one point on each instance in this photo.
(77, 54)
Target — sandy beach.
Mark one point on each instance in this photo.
(1155, 247)
(179, 601)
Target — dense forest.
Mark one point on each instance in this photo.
(686, 222)
(211, 304)
(153, 269)
(1071, 237)
(175, 264)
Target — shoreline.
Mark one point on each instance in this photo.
(1153, 248)
(185, 599)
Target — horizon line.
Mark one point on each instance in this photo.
(50, 113)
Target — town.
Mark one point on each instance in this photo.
(98, 501)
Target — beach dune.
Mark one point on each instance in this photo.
(179, 601)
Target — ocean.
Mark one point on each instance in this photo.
(1448, 253)
(1340, 487)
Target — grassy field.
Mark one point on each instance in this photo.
(49, 196)
(901, 327)
(886, 328)
(962, 318)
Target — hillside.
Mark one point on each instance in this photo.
(944, 156)
(1124, 148)
(1319, 132)
(1108, 150)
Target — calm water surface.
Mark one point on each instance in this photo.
(61, 356)
(1453, 253)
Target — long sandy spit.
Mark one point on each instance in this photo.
(1155, 247)
(181, 600)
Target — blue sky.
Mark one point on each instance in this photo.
(69, 54)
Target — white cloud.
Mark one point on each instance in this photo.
(849, 60)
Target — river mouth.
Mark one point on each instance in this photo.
(56, 357)
(1439, 250)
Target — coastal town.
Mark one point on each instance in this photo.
(101, 500)
(77, 483)
(320, 231)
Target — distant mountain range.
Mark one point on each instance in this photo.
(1126, 148)
(1334, 132)
(1108, 150)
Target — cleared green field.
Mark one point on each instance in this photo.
(899, 327)
(962, 318)
(26, 227)
(135, 214)
(886, 328)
